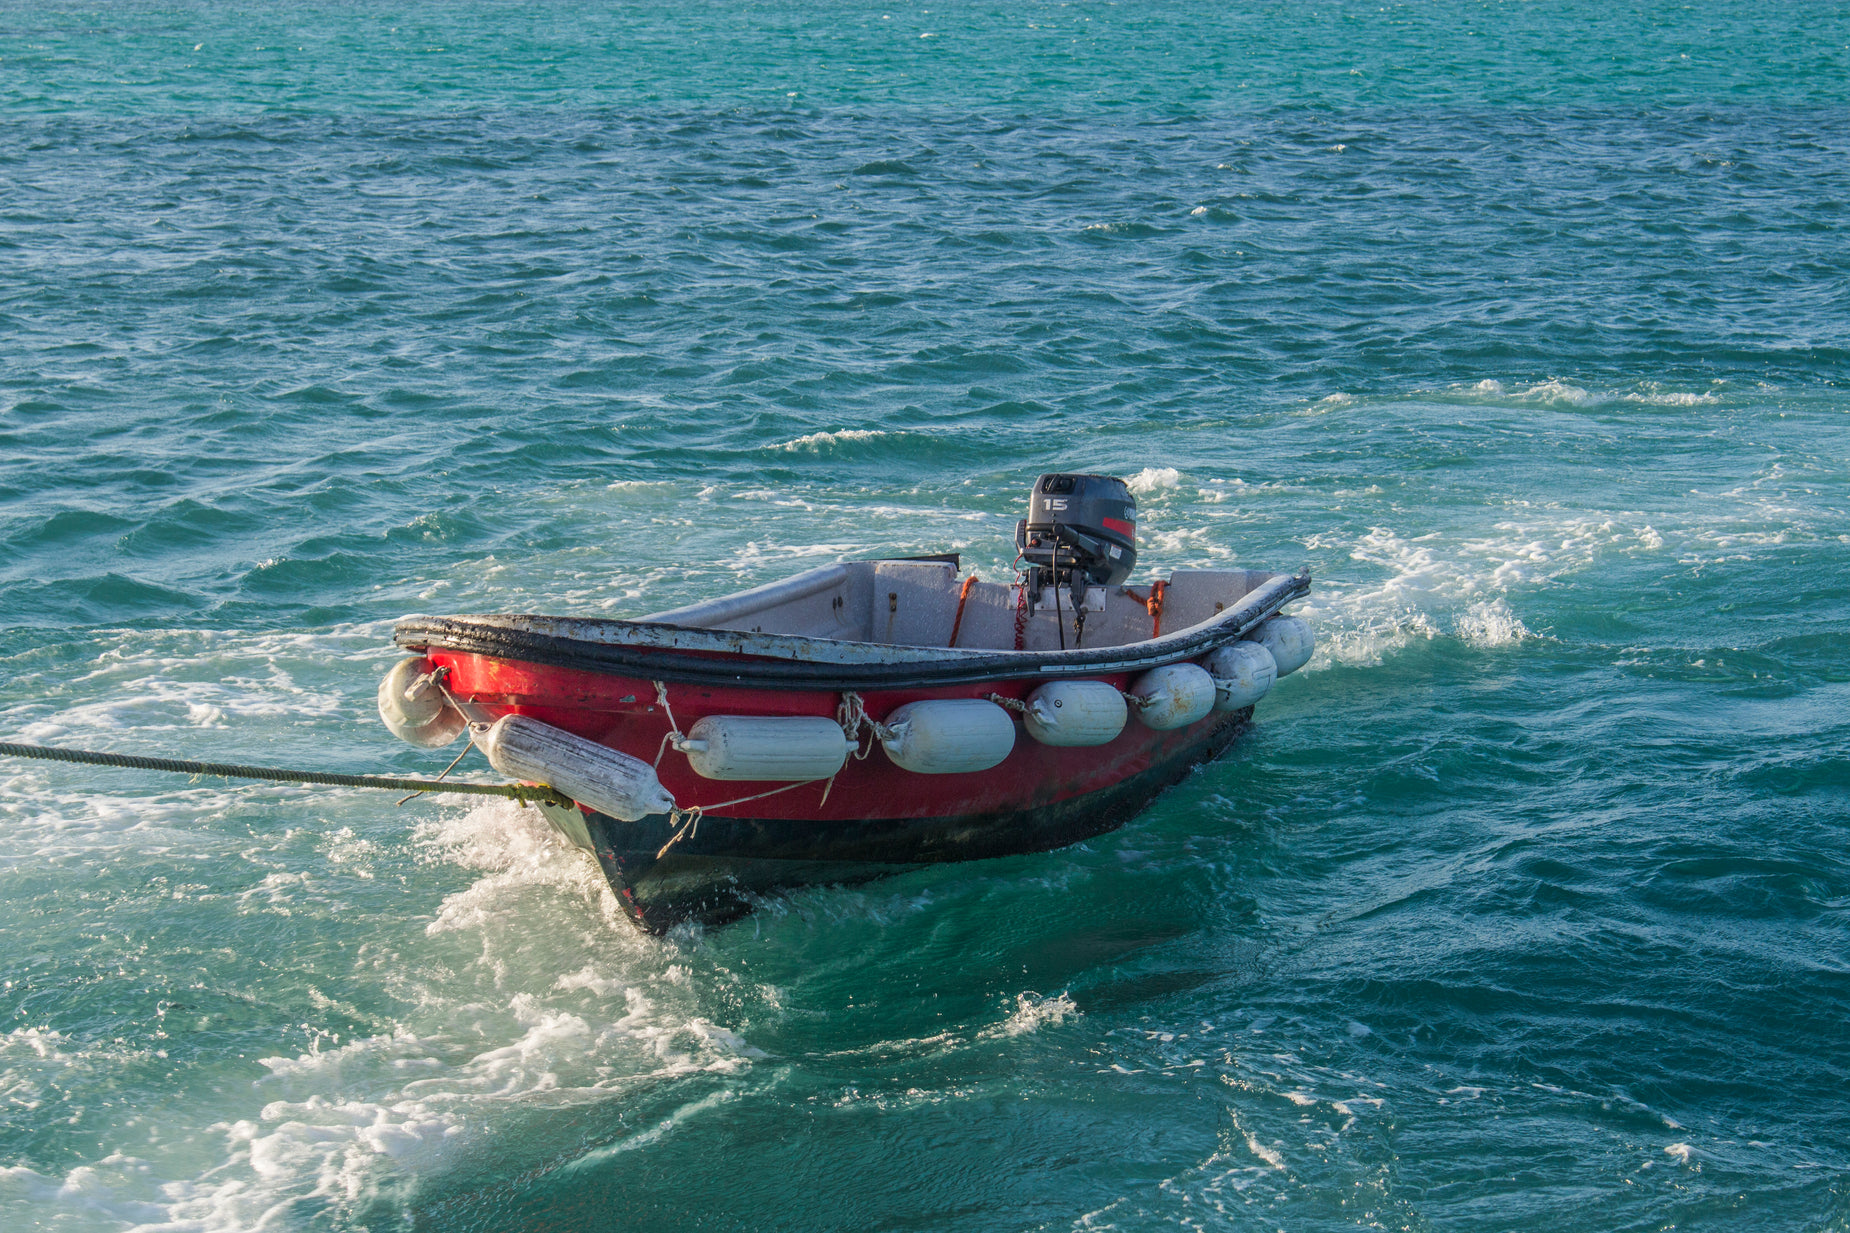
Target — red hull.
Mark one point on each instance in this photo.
(621, 713)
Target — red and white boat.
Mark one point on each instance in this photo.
(865, 717)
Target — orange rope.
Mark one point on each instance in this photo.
(963, 597)
(1152, 603)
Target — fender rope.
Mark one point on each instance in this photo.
(225, 770)
(853, 717)
(687, 821)
(674, 736)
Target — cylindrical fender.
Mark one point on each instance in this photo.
(948, 736)
(414, 708)
(1243, 673)
(610, 782)
(766, 747)
(1069, 713)
(1289, 639)
(1173, 696)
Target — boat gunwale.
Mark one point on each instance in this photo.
(650, 650)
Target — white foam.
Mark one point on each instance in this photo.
(1439, 584)
(1152, 480)
(116, 1192)
(591, 1161)
(192, 679)
(1673, 398)
(815, 442)
(1358, 624)
(1490, 623)
(1196, 545)
(1556, 392)
(1263, 1152)
(529, 987)
(519, 850)
(1032, 1011)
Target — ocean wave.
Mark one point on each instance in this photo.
(817, 442)
(1557, 392)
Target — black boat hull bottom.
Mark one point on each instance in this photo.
(713, 874)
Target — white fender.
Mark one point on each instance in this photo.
(610, 782)
(1243, 673)
(1289, 639)
(766, 747)
(414, 708)
(1075, 713)
(948, 736)
(1173, 696)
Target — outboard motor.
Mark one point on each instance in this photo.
(1080, 533)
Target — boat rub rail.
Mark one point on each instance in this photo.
(687, 655)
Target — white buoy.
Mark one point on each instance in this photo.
(1243, 673)
(610, 782)
(948, 736)
(766, 747)
(414, 708)
(1289, 639)
(1068, 713)
(1173, 696)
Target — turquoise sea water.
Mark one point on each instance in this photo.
(1525, 326)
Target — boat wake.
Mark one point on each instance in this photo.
(528, 997)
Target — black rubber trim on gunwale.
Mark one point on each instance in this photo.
(474, 636)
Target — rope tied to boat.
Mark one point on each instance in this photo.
(963, 597)
(436, 677)
(454, 763)
(853, 717)
(524, 793)
(687, 821)
(1152, 603)
(1008, 704)
(674, 736)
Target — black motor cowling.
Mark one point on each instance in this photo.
(1081, 530)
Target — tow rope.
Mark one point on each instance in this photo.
(224, 770)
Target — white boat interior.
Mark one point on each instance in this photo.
(915, 603)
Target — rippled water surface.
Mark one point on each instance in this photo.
(1525, 327)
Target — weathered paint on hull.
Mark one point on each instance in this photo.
(714, 874)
